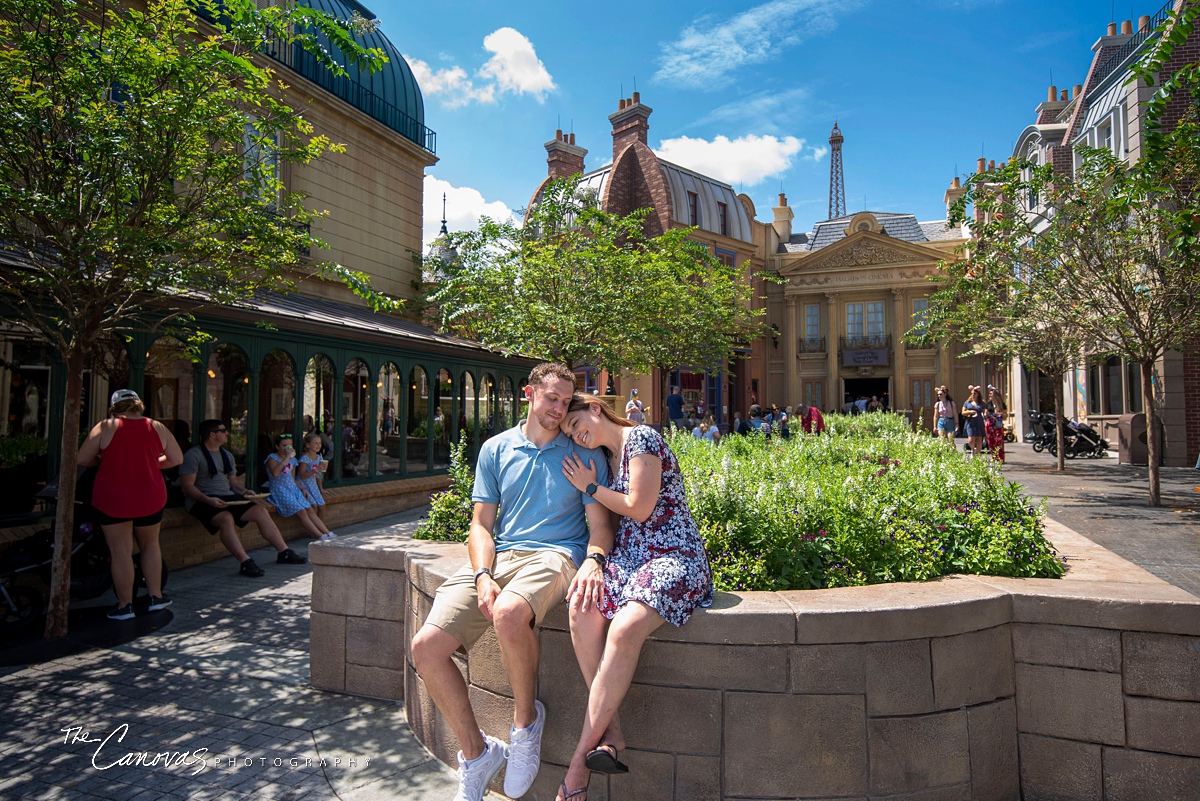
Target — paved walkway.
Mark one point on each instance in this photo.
(1106, 502)
(228, 674)
(227, 677)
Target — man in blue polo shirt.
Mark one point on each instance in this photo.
(529, 548)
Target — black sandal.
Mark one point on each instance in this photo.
(562, 788)
(603, 759)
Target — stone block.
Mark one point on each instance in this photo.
(1101, 604)
(752, 618)
(817, 669)
(1140, 776)
(904, 611)
(339, 590)
(386, 593)
(675, 719)
(375, 682)
(1059, 770)
(562, 691)
(697, 778)
(898, 678)
(1162, 666)
(788, 746)
(651, 775)
(972, 668)
(1071, 704)
(431, 563)
(1067, 646)
(918, 753)
(378, 643)
(493, 712)
(484, 665)
(723, 667)
(992, 729)
(958, 792)
(327, 651)
(1172, 727)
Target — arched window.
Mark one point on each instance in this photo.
(487, 407)
(506, 420)
(391, 441)
(276, 405)
(443, 411)
(418, 421)
(167, 390)
(356, 405)
(227, 397)
(318, 399)
(464, 428)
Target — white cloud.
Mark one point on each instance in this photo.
(711, 48)
(746, 160)
(816, 153)
(464, 207)
(762, 111)
(514, 65)
(451, 83)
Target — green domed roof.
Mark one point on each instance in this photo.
(390, 96)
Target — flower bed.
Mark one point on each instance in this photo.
(867, 503)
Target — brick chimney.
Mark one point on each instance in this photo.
(630, 123)
(952, 195)
(563, 157)
(783, 219)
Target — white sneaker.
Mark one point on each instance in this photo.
(524, 755)
(473, 776)
(329, 536)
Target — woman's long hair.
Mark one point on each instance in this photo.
(977, 396)
(580, 402)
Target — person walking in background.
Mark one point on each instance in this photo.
(656, 571)
(974, 410)
(310, 472)
(286, 494)
(129, 493)
(216, 498)
(633, 408)
(675, 408)
(994, 425)
(945, 415)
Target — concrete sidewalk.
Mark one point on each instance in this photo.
(226, 679)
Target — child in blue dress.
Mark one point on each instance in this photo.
(309, 472)
(286, 495)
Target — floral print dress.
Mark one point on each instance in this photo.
(660, 562)
(285, 494)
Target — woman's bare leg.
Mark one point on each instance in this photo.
(120, 550)
(588, 630)
(150, 555)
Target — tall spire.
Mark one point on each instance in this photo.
(837, 183)
(444, 231)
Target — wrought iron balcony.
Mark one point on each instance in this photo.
(874, 342)
(811, 345)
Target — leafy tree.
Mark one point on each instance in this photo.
(580, 285)
(139, 176)
(1009, 295)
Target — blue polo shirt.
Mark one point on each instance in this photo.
(539, 509)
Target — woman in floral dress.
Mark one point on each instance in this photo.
(656, 571)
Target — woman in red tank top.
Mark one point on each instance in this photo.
(129, 493)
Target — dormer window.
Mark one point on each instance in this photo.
(723, 219)
(693, 204)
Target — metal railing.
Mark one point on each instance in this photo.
(812, 345)
(1139, 37)
(874, 342)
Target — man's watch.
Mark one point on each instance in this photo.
(600, 558)
(590, 489)
(482, 571)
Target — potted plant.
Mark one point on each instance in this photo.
(22, 469)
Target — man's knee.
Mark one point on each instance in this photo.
(431, 645)
(511, 615)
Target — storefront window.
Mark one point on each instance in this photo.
(25, 377)
(226, 396)
(356, 405)
(276, 405)
(390, 447)
(442, 410)
(418, 421)
(318, 399)
(167, 392)
(487, 407)
(506, 406)
(465, 427)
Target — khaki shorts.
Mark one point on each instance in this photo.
(540, 577)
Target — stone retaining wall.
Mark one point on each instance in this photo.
(965, 688)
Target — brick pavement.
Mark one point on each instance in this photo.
(228, 674)
(1106, 502)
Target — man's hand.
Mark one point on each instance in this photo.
(587, 588)
(216, 502)
(488, 591)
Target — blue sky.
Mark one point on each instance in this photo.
(743, 91)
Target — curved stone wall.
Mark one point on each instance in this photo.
(963, 688)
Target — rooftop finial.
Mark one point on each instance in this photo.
(445, 231)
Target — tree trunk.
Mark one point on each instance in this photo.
(1153, 443)
(1060, 425)
(664, 377)
(64, 515)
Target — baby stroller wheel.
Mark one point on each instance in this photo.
(1038, 446)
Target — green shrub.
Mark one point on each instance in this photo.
(450, 511)
(16, 449)
(870, 502)
(422, 430)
